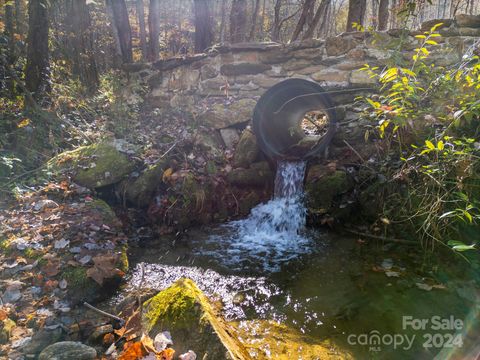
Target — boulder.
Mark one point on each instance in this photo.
(427, 25)
(469, 21)
(247, 149)
(269, 339)
(193, 322)
(259, 174)
(68, 350)
(221, 116)
(140, 190)
(95, 165)
(324, 189)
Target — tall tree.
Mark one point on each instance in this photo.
(141, 24)
(154, 30)
(121, 28)
(320, 14)
(307, 9)
(223, 21)
(253, 29)
(20, 20)
(80, 38)
(238, 21)
(37, 68)
(356, 13)
(203, 25)
(10, 53)
(383, 15)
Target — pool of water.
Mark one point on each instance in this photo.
(339, 289)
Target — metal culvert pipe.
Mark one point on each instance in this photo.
(278, 117)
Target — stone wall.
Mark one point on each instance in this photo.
(221, 86)
(219, 90)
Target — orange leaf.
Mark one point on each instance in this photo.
(132, 351)
(166, 354)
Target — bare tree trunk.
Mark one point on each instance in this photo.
(81, 43)
(276, 20)
(203, 25)
(319, 14)
(238, 21)
(307, 9)
(121, 27)
(356, 13)
(20, 20)
(10, 55)
(37, 69)
(383, 15)
(253, 29)
(262, 25)
(141, 24)
(154, 30)
(223, 21)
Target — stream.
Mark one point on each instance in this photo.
(331, 289)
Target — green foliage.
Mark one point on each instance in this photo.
(440, 163)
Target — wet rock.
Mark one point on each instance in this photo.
(259, 174)
(68, 350)
(247, 149)
(222, 116)
(323, 191)
(95, 165)
(469, 21)
(140, 190)
(193, 322)
(243, 69)
(41, 340)
(283, 342)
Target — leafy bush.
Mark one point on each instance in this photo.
(431, 115)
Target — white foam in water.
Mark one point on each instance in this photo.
(272, 233)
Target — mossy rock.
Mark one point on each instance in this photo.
(247, 150)
(259, 174)
(141, 190)
(94, 165)
(195, 325)
(323, 191)
(266, 339)
(106, 212)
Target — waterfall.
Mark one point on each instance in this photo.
(273, 232)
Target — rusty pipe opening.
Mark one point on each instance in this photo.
(294, 120)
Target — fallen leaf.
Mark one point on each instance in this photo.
(104, 268)
(132, 351)
(51, 268)
(166, 354)
(162, 340)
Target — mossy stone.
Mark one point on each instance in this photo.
(95, 165)
(322, 192)
(247, 150)
(259, 174)
(195, 325)
(141, 190)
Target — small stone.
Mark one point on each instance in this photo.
(61, 244)
(230, 137)
(68, 350)
(190, 355)
(45, 204)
